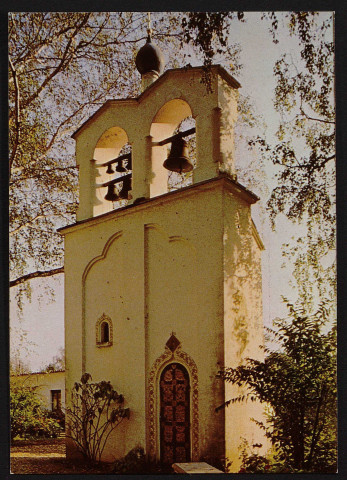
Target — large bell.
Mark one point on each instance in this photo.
(124, 193)
(111, 194)
(178, 160)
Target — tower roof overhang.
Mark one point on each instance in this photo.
(215, 69)
(232, 184)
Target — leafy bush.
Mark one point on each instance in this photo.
(96, 410)
(298, 382)
(43, 426)
(252, 462)
(59, 417)
(136, 463)
(255, 463)
(28, 417)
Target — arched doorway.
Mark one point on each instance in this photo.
(174, 414)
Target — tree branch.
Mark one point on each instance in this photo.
(38, 172)
(16, 107)
(316, 119)
(312, 118)
(61, 63)
(37, 274)
(326, 160)
(30, 221)
(71, 116)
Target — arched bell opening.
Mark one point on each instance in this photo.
(168, 173)
(182, 179)
(112, 157)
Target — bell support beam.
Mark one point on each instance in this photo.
(115, 180)
(178, 135)
(126, 156)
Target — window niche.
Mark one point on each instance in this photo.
(55, 400)
(104, 332)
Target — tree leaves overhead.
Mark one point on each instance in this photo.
(304, 155)
(62, 67)
(208, 31)
(304, 97)
(55, 61)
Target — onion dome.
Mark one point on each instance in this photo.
(150, 58)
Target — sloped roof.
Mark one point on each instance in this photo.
(216, 68)
(36, 373)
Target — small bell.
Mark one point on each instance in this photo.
(129, 164)
(120, 167)
(109, 169)
(111, 194)
(124, 193)
(178, 160)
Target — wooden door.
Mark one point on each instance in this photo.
(174, 414)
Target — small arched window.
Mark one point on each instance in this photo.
(104, 331)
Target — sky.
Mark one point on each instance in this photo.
(43, 318)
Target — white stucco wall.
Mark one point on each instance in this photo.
(157, 268)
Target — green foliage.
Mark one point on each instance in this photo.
(134, 462)
(304, 154)
(255, 463)
(62, 67)
(298, 382)
(252, 462)
(208, 31)
(96, 410)
(28, 417)
(59, 416)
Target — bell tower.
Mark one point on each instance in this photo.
(174, 277)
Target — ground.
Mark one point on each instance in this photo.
(47, 457)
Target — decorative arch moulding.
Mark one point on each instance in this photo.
(168, 356)
(102, 256)
(90, 264)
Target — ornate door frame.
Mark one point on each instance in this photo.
(172, 353)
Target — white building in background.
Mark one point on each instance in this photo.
(49, 387)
